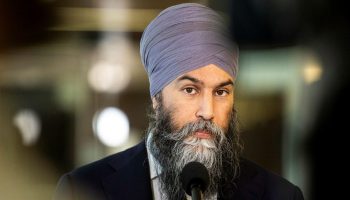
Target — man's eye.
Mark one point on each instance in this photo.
(190, 90)
(221, 92)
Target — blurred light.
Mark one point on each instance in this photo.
(108, 77)
(29, 125)
(312, 72)
(111, 126)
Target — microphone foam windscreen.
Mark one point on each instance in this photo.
(194, 173)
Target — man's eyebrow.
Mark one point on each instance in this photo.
(195, 80)
(229, 82)
(190, 78)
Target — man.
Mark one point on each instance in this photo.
(192, 69)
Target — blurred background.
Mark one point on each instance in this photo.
(73, 89)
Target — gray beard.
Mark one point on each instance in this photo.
(173, 149)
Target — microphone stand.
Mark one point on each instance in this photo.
(196, 192)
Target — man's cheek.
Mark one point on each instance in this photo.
(176, 123)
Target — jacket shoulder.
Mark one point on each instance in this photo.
(104, 166)
(255, 181)
(86, 182)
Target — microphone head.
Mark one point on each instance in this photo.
(194, 173)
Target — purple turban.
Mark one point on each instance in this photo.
(183, 38)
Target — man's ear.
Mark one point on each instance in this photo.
(154, 103)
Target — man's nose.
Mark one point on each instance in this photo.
(206, 107)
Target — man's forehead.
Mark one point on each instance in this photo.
(210, 73)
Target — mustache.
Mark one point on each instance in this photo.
(191, 128)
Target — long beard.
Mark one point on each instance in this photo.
(173, 149)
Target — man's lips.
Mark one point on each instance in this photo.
(203, 134)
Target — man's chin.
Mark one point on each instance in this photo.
(201, 149)
(199, 144)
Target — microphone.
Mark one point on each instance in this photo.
(195, 179)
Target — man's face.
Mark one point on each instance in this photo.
(206, 93)
(194, 120)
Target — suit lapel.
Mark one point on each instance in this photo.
(131, 180)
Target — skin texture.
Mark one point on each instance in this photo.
(207, 93)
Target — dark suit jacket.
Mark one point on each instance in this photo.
(125, 176)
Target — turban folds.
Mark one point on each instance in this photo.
(183, 38)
